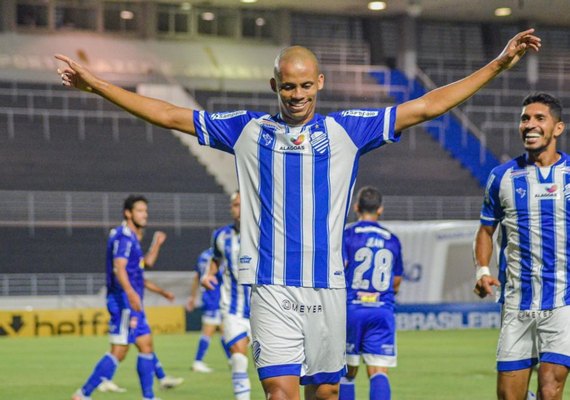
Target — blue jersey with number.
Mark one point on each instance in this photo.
(531, 204)
(210, 298)
(123, 243)
(295, 184)
(373, 257)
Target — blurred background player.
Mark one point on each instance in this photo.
(235, 298)
(211, 314)
(125, 290)
(527, 198)
(373, 259)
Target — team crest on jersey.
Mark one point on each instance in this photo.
(319, 141)
(521, 192)
(567, 191)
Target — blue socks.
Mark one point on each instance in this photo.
(105, 369)
(203, 345)
(145, 369)
(158, 370)
(346, 389)
(379, 387)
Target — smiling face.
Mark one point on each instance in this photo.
(297, 81)
(539, 129)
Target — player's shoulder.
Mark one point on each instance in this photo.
(367, 227)
(121, 231)
(224, 230)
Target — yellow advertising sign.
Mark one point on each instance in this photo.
(82, 322)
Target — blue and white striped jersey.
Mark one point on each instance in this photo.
(234, 296)
(373, 257)
(210, 298)
(531, 205)
(295, 185)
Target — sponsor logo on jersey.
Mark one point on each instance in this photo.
(521, 192)
(227, 115)
(267, 138)
(546, 191)
(291, 148)
(530, 314)
(245, 260)
(359, 113)
(288, 305)
(297, 140)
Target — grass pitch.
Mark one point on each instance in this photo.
(432, 365)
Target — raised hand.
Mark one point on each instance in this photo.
(517, 47)
(75, 75)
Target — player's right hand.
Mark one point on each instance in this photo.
(484, 286)
(209, 282)
(75, 75)
(134, 300)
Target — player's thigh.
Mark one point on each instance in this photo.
(281, 387)
(235, 329)
(355, 328)
(554, 336)
(211, 317)
(325, 336)
(120, 331)
(517, 345)
(379, 339)
(277, 333)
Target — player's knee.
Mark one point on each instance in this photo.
(239, 362)
(551, 390)
(326, 392)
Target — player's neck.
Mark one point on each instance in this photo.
(544, 158)
(368, 217)
(136, 229)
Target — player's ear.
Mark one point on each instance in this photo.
(380, 210)
(320, 81)
(559, 128)
(273, 84)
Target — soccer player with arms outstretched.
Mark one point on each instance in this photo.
(296, 171)
(373, 259)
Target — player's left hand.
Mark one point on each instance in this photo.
(484, 286)
(517, 47)
(159, 238)
(75, 75)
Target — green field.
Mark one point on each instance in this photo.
(432, 365)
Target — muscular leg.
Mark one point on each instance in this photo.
(281, 387)
(321, 392)
(513, 385)
(551, 380)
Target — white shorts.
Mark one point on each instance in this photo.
(235, 328)
(299, 331)
(529, 337)
(212, 317)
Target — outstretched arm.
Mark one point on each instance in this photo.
(482, 251)
(153, 287)
(443, 99)
(155, 111)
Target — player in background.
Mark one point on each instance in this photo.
(211, 314)
(125, 290)
(527, 198)
(296, 171)
(373, 259)
(234, 296)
